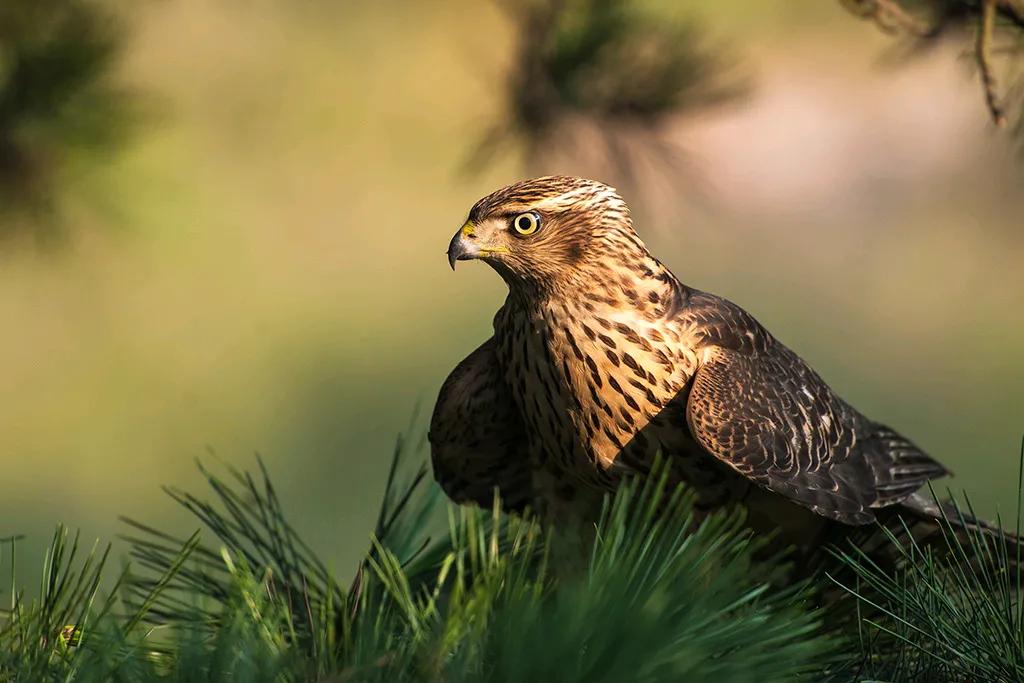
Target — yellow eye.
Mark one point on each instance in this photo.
(526, 223)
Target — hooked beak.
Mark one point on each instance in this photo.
(462, 247)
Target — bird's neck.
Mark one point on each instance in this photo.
(639, 285)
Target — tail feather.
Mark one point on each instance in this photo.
(916, 520)
(921, 523)
(900, 467)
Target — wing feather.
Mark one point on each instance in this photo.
(477, 441)
(758, 407)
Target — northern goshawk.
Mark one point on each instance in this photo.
(601, 358)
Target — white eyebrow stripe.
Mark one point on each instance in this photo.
(572, 196)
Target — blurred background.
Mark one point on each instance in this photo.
(222, 227)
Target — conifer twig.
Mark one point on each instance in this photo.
(982, 53)
(991, 17)
(889, 16)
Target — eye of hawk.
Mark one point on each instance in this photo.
(526, 223)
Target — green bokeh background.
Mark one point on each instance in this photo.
(262, 269)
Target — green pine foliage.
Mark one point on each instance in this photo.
(950, 613)
(462, 594)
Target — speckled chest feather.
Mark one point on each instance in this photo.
(602, 388)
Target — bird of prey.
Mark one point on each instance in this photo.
(601, 358)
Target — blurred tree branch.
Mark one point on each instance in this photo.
(926, 21)
(604, 77)
(57, 100)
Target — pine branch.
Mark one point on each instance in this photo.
(990, 19)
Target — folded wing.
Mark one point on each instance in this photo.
(759, 408)
(477, 442)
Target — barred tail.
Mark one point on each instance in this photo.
(920, 523)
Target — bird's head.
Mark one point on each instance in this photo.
(546, 233)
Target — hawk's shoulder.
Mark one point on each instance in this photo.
(719, 322)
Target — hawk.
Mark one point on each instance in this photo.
(601, 358)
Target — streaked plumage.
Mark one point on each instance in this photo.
(601, 357)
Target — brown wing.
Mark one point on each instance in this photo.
(758, 407)
(477, 442)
